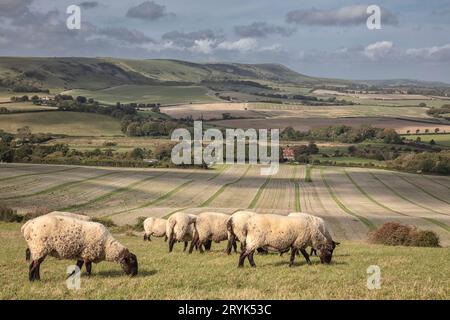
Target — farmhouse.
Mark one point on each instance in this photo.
(288, 154)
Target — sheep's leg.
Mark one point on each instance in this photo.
(34, 270)
(88, 267)
(200, 246)
(242, 246)
(185, 246)
(235, 246)
(250, 259)
(207, 245)
(171, 244)
(305, 254)
(313, 252)
(27, 254)
(80, 263)
(242, 257)
(145, 237)
(292, 260)
(230, 243)
(165, 238)
(194, 242)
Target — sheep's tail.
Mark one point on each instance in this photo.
(27, 254)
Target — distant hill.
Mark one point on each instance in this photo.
(100, 73)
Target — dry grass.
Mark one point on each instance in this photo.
(406, 273)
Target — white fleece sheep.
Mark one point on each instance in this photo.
(69, 238)
(209, 226)
(154, 227)
(70, 215)
(236, 227)
(180, 228)
(281, 233)
(318, 222)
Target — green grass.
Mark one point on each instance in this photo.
(441, 139)
(308, 174)
(364, 220)
(61, 122)
(148, 94)
(406, 273)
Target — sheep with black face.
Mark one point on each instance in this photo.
(68, 238)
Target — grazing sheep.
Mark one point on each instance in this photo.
(319, 223)
(209, 226)
(236, 227)
(68, 238)
(70, 215)
(281, 233)
(154, 227)
(180, 228)
(58, 213)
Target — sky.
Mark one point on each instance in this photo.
(325, 38)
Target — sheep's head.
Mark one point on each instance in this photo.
(326, 251)
(129, 264)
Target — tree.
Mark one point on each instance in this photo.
(427, 130)
(436, 130)
(417, 131)
(81, 99)
(432, 142)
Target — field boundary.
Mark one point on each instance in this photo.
(438, 223)
(364, 220)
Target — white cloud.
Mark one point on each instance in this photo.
(430, 53)
(244, 44)
(379, 49)
(205, 46)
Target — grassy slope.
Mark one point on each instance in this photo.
(60, 122)
(406, 273)
(440, 139)
(148, 94)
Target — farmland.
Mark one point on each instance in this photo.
(351, 200)
(59, 122)
(147, 94)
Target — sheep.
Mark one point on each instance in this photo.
(236, 227)
(59, 213)
(179, 227)
(70, 215)
(280, 233)
(69, 238)
(154, 227)
(320, 224)
(209, 226)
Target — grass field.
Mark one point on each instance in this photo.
(440, 139)
(24, 106)
(148, 94)
(61, 122)
(351, 200)
(406, 273)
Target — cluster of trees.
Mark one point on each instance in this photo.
(342, 133)
(440, 112)
(132, 123)
(425, 162)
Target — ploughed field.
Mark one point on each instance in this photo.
(352, 201)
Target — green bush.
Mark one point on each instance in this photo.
(107, 222)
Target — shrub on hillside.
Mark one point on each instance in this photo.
(396, 234)
(9, 215)
(107, 222)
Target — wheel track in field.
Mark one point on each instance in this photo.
(364, 192)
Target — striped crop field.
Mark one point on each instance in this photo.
(352, 201)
